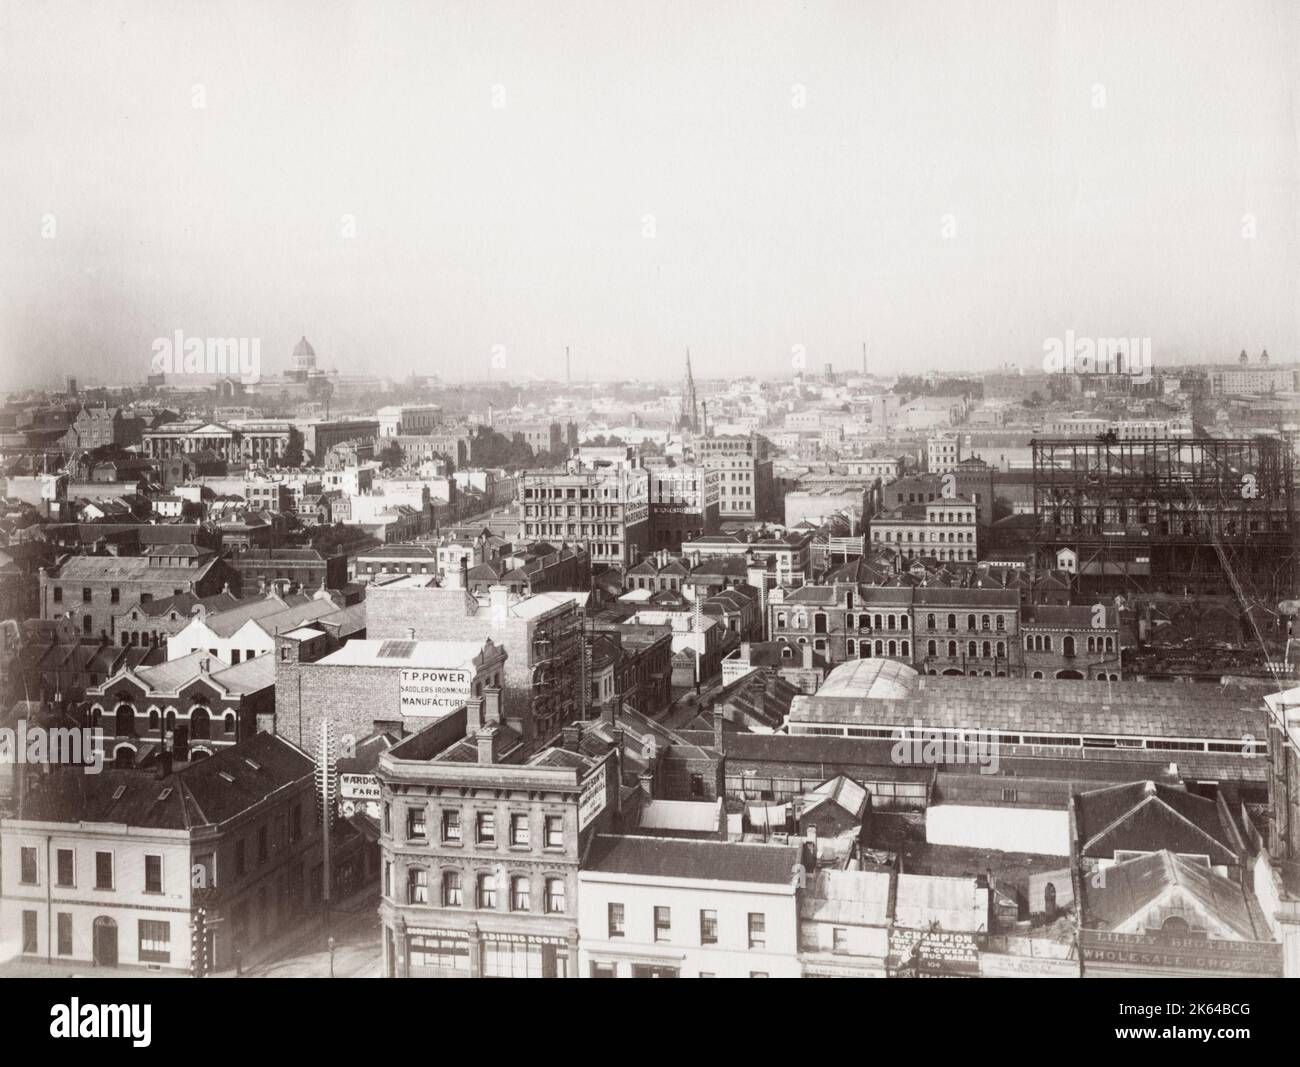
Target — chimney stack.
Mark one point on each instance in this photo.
(491, 706)
(718, 720)
(571, 737)
(489, 743)
(807, 657)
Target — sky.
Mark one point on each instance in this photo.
(463, 189)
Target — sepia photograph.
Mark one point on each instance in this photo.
(649, 489)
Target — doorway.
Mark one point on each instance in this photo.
(105, 942)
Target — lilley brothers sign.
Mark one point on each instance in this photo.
(1194, 955)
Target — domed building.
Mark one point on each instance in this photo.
(302, 364)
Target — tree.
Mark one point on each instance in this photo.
(391, 455)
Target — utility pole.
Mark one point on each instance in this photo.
(326, 788)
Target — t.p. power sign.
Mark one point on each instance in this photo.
(433, 690)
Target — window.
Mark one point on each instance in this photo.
(103, 870)
(555, 831)
(519, 830)
(58, 594)
(30, 944)
(708, 927)
(388, 817)
(153, 874)
(417, 886)
(115, 596)
(839, 939)
(66, 873)
(27, 863)
(65, 933)
(486, 891)
(155, 941)
(416, 829)
(519, 895)
(757, 930)
(450, 824)
(85, 595)
(555, 896)
(614, 914)
(485, 828)
(663, 924)
(451, 897)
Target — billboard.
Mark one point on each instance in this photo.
(591, 802)
(433, 691)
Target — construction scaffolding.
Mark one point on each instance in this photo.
(1174, 515)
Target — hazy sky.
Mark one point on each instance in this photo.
(950, 191)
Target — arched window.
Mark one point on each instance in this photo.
(1067, 645)
(988, 649)
(931, 649)
(1029, 642)
(905, 648)
(985, 621)
(902, 622)
(153, 720)
(970, 649)
(893, 622)
(1047, 642)
(848, 600)
(851, 647)
(1110, 644)
(970, 622)
(880, 648)
(230, 722)
(878, 623)
(952, 622)
(555, 903)
(1038, 674)
(864, 622)
(1049, 899)
(169, 720)
(929, 621)
(124, 721)
(1002, 624)
(952, 648)
(199, 723)
(893, 648)
(819, 623)
(1002, 648)
(780, 620)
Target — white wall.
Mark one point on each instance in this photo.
(731, 957)
(1043, 831)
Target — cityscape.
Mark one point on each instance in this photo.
(327, 651)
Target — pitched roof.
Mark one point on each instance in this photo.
(692, 860)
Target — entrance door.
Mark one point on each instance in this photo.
(641, 970)
(105, 943)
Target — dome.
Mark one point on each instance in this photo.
(303, 349)
(877, 679)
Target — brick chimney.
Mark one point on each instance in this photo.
(571, 737)
(807, 657)
(718, 720)
(488, 740)
(491, 706)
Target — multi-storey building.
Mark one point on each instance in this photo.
(659, 907)
(684, 504)
(94, 589)
(481, 839)
(192, 706)
(785, 561)
(132, 869)
(249, 441)
(1079, 641)
(408, 420)
(610, 510)
(938, 631)
(746, 491)
(541, 634)
(943, 529)
(942, 453)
